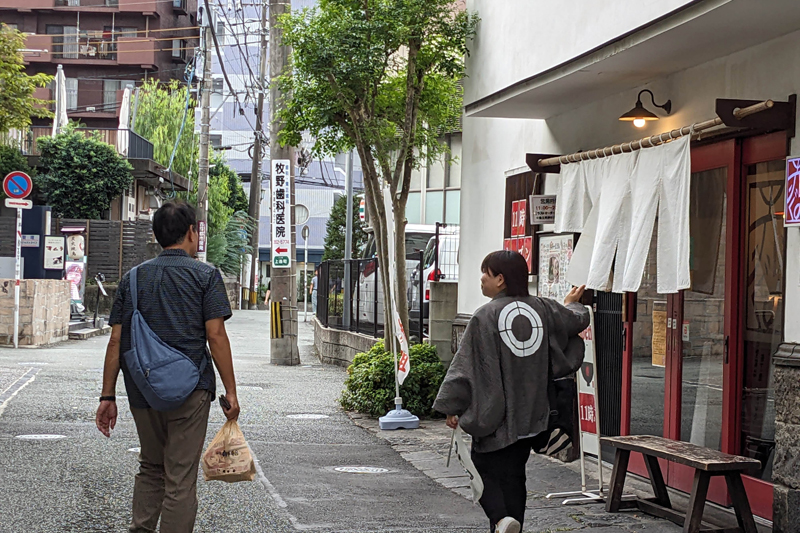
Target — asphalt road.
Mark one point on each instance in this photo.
(83, 482)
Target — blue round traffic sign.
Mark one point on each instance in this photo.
(17, 185)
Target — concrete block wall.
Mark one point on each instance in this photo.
(43, 315)
(337, 347)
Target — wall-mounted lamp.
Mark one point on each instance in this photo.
(639, 115)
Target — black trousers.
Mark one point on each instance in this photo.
(503, 475)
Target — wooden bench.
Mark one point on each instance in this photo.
(706, 463)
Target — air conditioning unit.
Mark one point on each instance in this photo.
(91, 109)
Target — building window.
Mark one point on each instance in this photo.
(72, 93)
(215, 139)
(110, 88)
(179, 49)
(220, 32)
(65, 41)
(13, 27)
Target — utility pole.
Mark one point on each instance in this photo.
(255, 172)
(283, 350)
(348, 240)
(202, 174)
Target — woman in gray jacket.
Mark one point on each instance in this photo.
(497, 386)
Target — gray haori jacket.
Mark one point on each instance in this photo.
(497, 382)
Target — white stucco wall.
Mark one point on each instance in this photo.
(520, 38)
(492, 146)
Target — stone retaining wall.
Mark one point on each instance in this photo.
(338, 347)
(43, 315)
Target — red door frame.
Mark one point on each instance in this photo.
(733, 154)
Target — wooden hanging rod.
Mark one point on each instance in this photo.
(654, 140)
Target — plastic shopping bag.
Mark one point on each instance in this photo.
(228, 457)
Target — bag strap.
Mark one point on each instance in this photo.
(133, 287)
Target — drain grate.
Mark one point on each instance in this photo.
(361, 470)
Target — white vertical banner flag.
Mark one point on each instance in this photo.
(403, 361)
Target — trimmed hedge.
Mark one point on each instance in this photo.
(369, 387)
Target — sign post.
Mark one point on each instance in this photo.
(17, 186)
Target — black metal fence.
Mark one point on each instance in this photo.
(367, 299)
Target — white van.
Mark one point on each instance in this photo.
(417, 238)
(447, 265)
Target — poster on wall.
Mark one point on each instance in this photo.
(76, 271)
(555, 253)
(54, 248)
(525, 247)
(659, 341)
(514, 219)
(522, 217)
(543, 209)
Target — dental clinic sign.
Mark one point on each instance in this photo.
(792, 211)
(281, 179)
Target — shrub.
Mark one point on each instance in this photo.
(369, 387)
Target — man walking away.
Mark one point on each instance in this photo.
(185, 303)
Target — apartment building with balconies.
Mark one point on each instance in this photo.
(104, 45)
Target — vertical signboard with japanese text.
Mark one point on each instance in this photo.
(587, 393)
(281, 178)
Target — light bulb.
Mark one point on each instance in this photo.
(639, 122)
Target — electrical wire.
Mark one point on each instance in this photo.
(253, 79)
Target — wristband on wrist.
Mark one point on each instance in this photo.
(108, 398)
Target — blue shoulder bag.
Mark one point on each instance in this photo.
(165, 376)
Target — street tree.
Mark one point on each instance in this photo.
(382, 76)
(17, 103)
(336, 229)
(81, 176)
(159, 118)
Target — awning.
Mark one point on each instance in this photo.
(690, 36)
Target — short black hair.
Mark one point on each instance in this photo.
(171, 222)
(513, 267)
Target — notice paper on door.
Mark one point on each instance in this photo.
(659, 337)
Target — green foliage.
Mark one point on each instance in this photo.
(369, 387)
(383, 77)
(335, 235)
(11, 159)
(17, 104)
(227, 248)
(81, 176)
(158, 119)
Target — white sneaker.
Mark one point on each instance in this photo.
(508, 525)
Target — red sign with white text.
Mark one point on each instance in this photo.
(587, 411)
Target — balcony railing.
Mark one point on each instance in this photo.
(138, 146)
(138, 6)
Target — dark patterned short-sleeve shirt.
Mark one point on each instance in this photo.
(177, 296)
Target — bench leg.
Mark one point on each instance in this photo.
(618, 480)
(697, 502)
(740, 502)
(657, 481)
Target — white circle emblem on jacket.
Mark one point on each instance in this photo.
(520, 347)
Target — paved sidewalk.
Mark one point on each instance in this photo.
(427, 447)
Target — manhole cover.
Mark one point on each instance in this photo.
(134, 450)
(41, 437)
(361, 470)
(307, 416)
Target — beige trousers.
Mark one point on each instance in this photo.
(166, 485)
